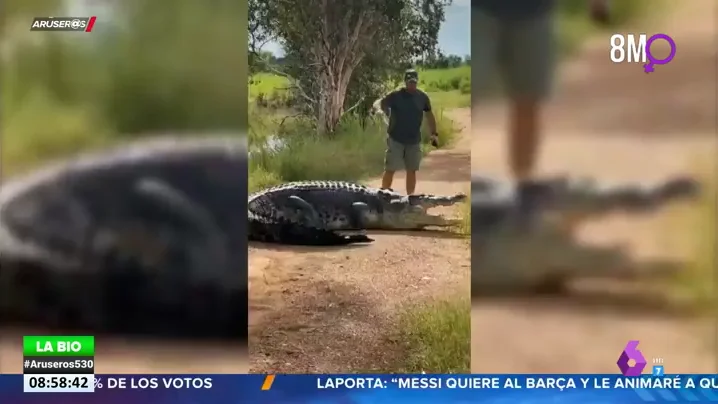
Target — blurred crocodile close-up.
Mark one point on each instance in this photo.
(145, 239)
(149, 237)
(524, 241)
(315, 212)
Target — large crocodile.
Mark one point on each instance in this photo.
(146, 238)
(527, 243)
(338, 206)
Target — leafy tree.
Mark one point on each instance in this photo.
(341, 53)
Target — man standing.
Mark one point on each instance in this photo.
(516, 36)
(406, 108)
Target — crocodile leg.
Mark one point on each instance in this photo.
(282, 231)
(308, 212)
(357, 220)
(358, 217)
(214, 256)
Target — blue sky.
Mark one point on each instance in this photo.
(454, 36)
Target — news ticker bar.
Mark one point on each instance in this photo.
(36, 365)
(58, 383)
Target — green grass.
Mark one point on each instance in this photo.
(352, 153)
(266, 83)
(436, 337)
(697, 227)
(465, 216)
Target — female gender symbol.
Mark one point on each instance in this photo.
(648, 67)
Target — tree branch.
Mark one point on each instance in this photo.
(294, 82)
(353, 107)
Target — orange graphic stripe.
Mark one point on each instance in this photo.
(268, 380)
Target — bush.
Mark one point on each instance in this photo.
(352, 153)
(437, 337)
(40, 128)
(259, 178)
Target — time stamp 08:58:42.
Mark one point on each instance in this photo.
(58, 364)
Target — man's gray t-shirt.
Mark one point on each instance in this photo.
(406, 113)
(514, 9)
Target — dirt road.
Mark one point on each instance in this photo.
(329, 311)
(614, 122)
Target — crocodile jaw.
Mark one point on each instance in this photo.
(413, 218)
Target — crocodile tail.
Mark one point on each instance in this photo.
(284, 232)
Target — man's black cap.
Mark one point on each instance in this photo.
(411, 75)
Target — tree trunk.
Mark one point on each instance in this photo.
(330, 104)
(332, 94)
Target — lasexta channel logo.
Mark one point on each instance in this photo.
(631, 353)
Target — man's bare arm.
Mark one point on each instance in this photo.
(431, 120)
(382, 107)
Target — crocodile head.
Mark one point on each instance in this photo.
(493, 201)
(410, 212)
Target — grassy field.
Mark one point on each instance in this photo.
(448, 88)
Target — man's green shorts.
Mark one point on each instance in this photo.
(400, 156)
(519, 53)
